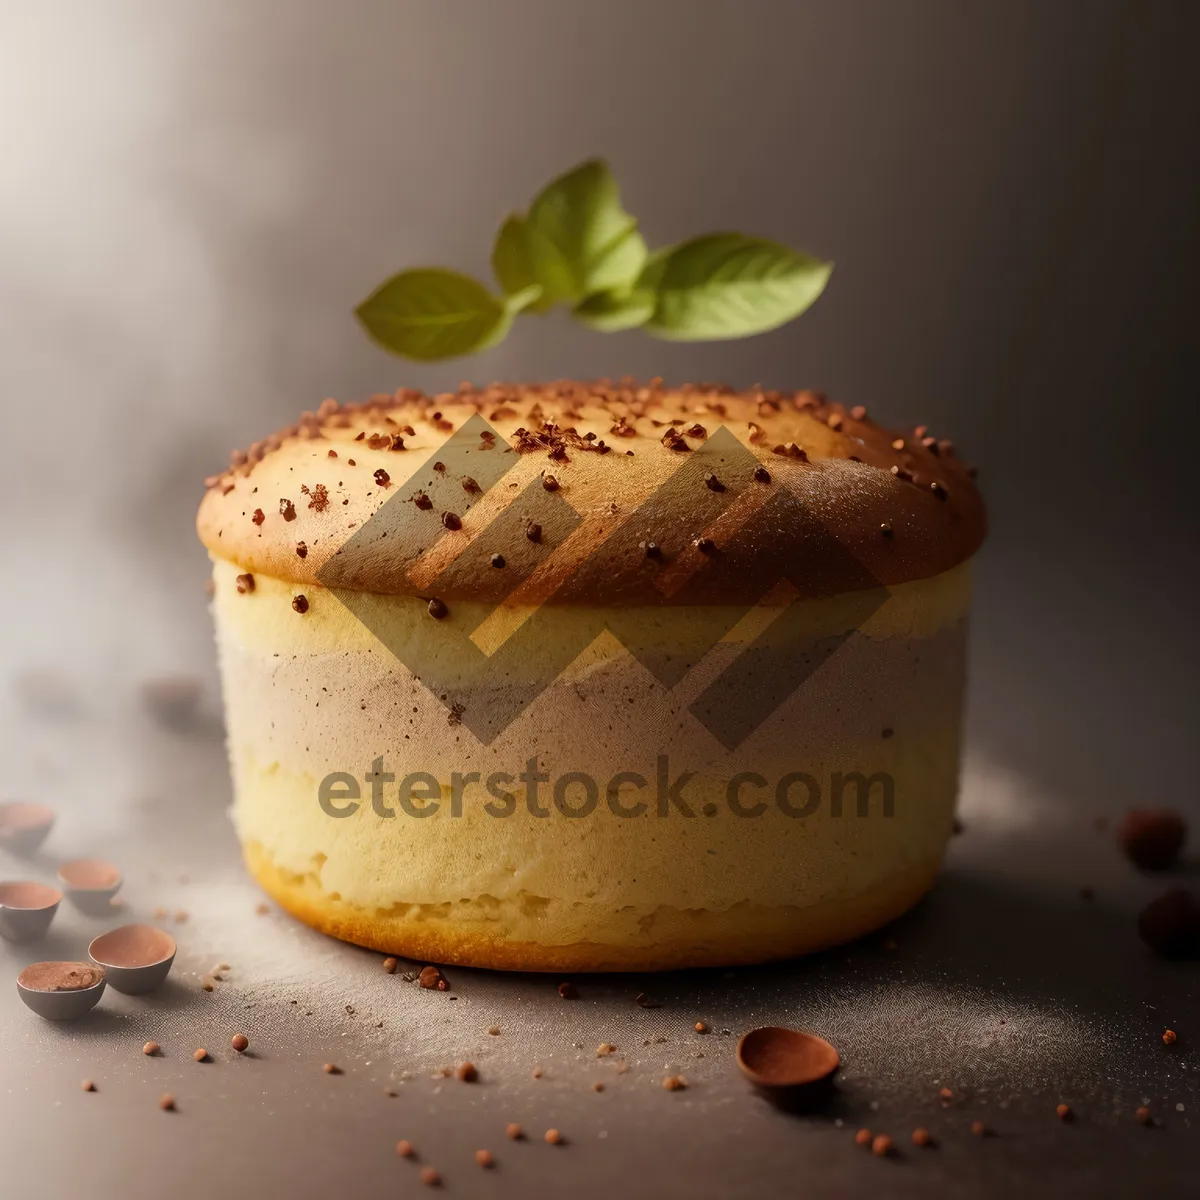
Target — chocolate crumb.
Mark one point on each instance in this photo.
(430, 1178)
(330, 1069)
(437, 609)
(550, 483)
(151, 1048)
(484, 1158)
(390, 964)
(469, 485)
(405, 1149)
(1142, 1115)
(451, 520)
(513, 1132)
(567, 991)
(88, 1085)
(333, 454)
(1064, 1112)
(287, 510)
(713, 483)
(300, 604)
(674, 1083)
(979, 1129)
(922, 1137)
(382, 478)
(245, 584)
(533, 531)
(422, 501)
(466, 1073)
(494, 1030)
(431, 977)
(498, 561)
(240, 1042)
(882, 1145)
(1169, 1037)
(762, 475)
(166, 1102)
(863, 1137)
(301, 550)
(597, 1086)
(553, 1137)
(258, 517)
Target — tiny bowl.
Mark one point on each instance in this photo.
(24, 827)
(788, 1066)
(90, 884)
(135, 958)
(26, 910)
(63, 1005)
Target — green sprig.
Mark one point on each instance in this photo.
(577, 246)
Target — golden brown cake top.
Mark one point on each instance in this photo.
(604, 492)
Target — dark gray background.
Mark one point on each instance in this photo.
(196, 194)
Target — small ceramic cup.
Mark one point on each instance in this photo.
(61, 991)
(24, 827)
(90, 884)
(26, 910)
(135, 958)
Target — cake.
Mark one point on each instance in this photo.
(593, 676)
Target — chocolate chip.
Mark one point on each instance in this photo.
(301, 550)
(498, 560)
(533, 531)
(550, 483)
(705, 545)
(713, 483)
(382, 478)
(1152, 838)
(567, 991)
(287, 510)
(245, 584)
(451, 520)
(240, 1042)
(437, 609)
(300, 604)
(1170, 925)
(762, 475)
(422, 501)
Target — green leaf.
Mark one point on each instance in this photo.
(429, 314)
(580, 217)
(728, 285)
(527, 297)
(523, 258)
(609, 312)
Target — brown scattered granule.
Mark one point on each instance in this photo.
(88, 1085)
(700, 1027)
(922, 1137)
(287, 510)
(166, 1102)
(597, 1086)
(1142, 1115)
(151, 1048)
(431, 977)
(451, 521)
(382, 478)
(300, 604)
(330, 1069)
(863, 1137)
(604, 1049)
(258, 517)
(430, 1177)
(466, 1073)
(674, 1083)
(567, 991)
(245, 584)
(240, 1042)
(200, 1055)
(208, 983)
(1152, 838)
(494, 1030)
(550, 483)
(437, 609)
(979, 1129)
(390, 964)
(945, 1093)
(1064, 1112)
(405, 1149)
(882, 1146)
(318, 498)
(513, 1132)
(536, 1073)
(553, 1137)
(484, 1158)
(1170, 1037)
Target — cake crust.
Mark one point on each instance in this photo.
(882, 507)
(746, 934)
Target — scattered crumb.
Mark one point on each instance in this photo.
(881, 1146)
(979, 1129)
(405, 1149)
(166, 1102)
(330, 1069)
(200, 1055)
(466, 1073)
(536, 1072)
(597, 1086)
(151, 1048)
(567, 991)
(1064, 1112)
(390, 964)
(553, 1137)
(674, 1083)
(922, 1137)
(88, 1085)
(700, 1027)
(513, 1132)
(605, 1049)
(239, 1042)
(863, 1137)
(484, 1158)
(1142, 1115)
(430, 1177)
(1170, 1037)
(494, 1030)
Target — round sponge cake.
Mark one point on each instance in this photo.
(593, 676)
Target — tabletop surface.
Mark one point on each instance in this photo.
(1007, 986)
